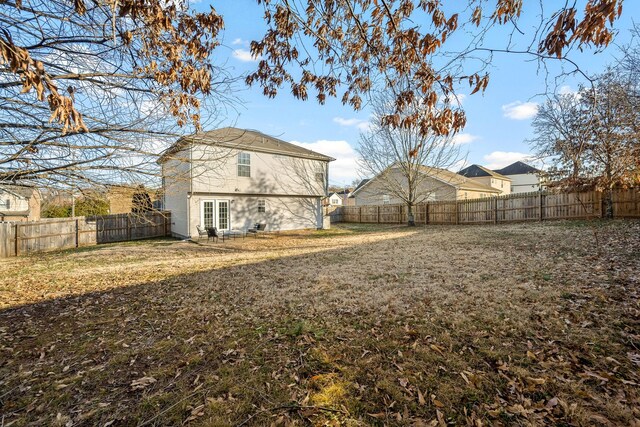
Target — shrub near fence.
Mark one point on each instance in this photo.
(536, 206)
(20, 238)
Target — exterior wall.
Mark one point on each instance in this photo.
(21, 208)
(524, 183)
(176, 187)
(16, 203)
(35, 203)
(463, 194)
(430, 190)
(503, 185)
(335, 200)
(215, 169)
(281, 212)
(120, 199)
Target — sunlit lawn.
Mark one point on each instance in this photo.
(363, 324)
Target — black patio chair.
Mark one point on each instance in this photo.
(258, 228)
(212, 233)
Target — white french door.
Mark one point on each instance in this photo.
(222, 213)
(215, 213)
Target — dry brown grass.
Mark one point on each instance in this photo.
(360, 325)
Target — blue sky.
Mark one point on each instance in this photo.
(498, 121)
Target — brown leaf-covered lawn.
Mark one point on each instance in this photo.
(360, 325)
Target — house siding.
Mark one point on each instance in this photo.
(430, 190)
(282, 213)
(289, 185)
(175, 193)
(524, 183)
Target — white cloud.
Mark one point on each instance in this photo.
(464, 138)
(520, 110)
(238, 41)
(245, 56)
(565, 90)
(500, 159)
(362, 125)
(343, 169)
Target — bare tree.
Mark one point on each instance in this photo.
(596, 132)
(402, 158)
(92, 91)
(359, 45)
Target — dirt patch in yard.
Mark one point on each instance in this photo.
(360, 325)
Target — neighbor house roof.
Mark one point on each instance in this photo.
(517, 168)
(21, 191)
(475, 171)
(243, 139)
(457, 180)
(447, 177)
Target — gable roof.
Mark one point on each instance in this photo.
(456, 180)
(20, 191)
(447, 177)
(518, 168)
(243, 139)
(475, 171)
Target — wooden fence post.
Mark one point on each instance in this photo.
(378, 215)
(77, 233)
(495, 210)
(456, 211)
(360, 215)
(16, 242)
(128, 227)
(541, 206)
(426, 213)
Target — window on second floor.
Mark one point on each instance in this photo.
(244, 164)
(262, 206)
(5, 204)
(386, 199)
(335, 201)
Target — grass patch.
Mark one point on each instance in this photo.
(521, 324)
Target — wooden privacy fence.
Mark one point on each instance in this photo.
(537, 206)
(21, 238)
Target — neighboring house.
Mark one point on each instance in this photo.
(488, 177)
(438, 184)
(19, 203)
(524, 178)
(334, 199)
(347, 197)
(232, 178)
(120, 198)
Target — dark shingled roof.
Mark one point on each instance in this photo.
(517, 168)
(475, 171)
(363, 182)
(244, 139)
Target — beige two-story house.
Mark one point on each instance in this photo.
(488, 177)
(435, 185)
(233, 178)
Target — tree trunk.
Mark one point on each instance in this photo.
(411, 222)
(607, 203)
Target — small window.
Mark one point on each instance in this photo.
(386, 199)
(262, 206)
(320, 176)
(334, 201)
(465, 194)
(6, 204)
(244, 164)
(501, 184)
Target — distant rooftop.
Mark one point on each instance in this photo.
(517, 168)
(475, 171)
